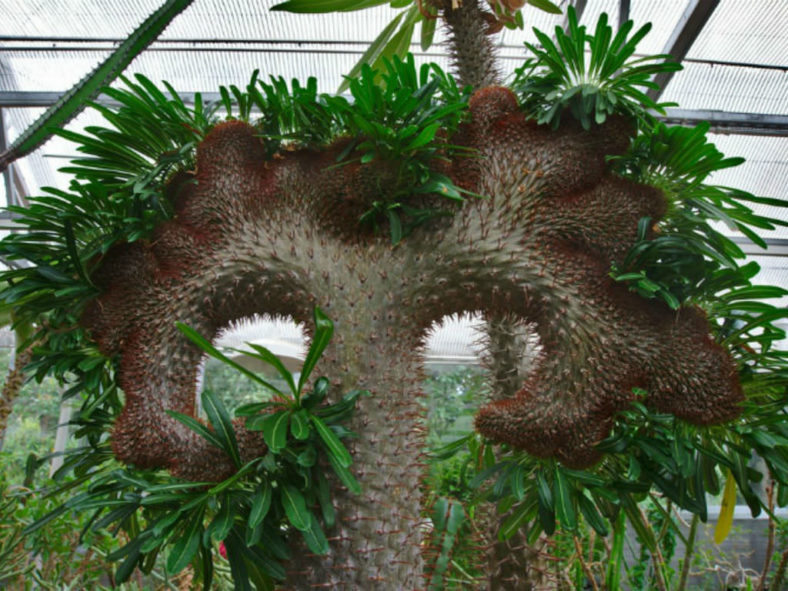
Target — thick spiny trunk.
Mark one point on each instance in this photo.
(471, 47)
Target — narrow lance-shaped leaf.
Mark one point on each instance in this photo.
(324, 329)
(186, 546)
(345, 475)
(334, 445)
(274, 428)
(271, 359)
(223, 426)
(295, 507)
(564, 504)
(322, 6)
(197, 427)
(373, 52)
(124, 570)
(260, 504)
(206, 346)
(75, 100)
(223, 522)
(516, 518)
(545, 5)
(299, 425)
(314, 536)
(728, 504)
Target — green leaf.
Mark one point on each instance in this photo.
(324, 329)
(274, 428)
(125, 568)
(373, 52)
(253, 534)
(425, 137)
(427, 32)
(345, 475)
(451, 449)
(222, 425)
(41, 522)
(441, 185)
(341, 410)
(268, 357)
(223, 522)
(71, 244)
(262, 568)
(517, 481)
(299, 424)
(207, 568)
(324, 497)
(260, 504)
(524, 512)
(197, 427)
(591, 515)
(545, 507)
(186, 545)
(295, 507)
(314, 536)
(206, 346)
(273, 542)
(564, 504)
(318, 393)
(323, 6)
(235, 556)
(334, 445)
(308, 457)
(395, 226)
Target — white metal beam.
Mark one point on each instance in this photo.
(721, 121)
(729, 122)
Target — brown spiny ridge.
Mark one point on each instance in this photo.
(275, 237)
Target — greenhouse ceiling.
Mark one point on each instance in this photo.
(733, 51)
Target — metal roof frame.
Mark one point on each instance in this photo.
(721, 121)
(691, 23)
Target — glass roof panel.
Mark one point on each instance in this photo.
(764, 173)
(745, 31)
(729, 88)
(663, 17)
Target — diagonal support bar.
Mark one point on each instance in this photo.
(623, 12)
(687, 30)
(728, 122)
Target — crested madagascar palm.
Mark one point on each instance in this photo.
(368, 219)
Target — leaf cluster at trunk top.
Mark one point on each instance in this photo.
(591, 76)
(685, 258)
(400, 117)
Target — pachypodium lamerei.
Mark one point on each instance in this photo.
(279, 236)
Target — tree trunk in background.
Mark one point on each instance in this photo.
(13, 385)
(510, 353)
